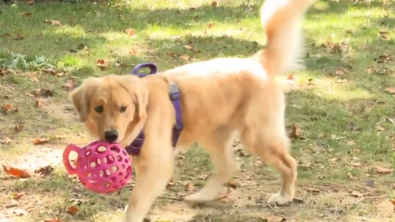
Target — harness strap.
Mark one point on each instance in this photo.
(174, 93)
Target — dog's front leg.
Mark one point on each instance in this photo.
(151, 180)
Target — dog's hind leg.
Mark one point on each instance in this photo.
(219, 146)
(264, 134)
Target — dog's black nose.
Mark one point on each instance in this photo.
(111, 135)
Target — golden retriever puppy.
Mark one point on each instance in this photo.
(218, 98)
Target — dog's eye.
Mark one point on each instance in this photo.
(123, 109)
(99, 109)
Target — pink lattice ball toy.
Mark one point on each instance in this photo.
(100, 166)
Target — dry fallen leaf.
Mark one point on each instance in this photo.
(341, 71)
(189, 47)
(295, 133)
(185, 57)
(312, 190)
(49, 70)
(230, 184)
(386, 208)
(101, 64)
(383, 170)
(390, 90)
(211, 25)
(31, 2)
(19, 127)
(53, 22)
(18, 196)
(27, 13)
(16, 172)
(70, 85)
(6, 140)
(45, 171)
(19, 212)
(55, 219)
(40, 141)
(72, 210)
(379, 128)
(7, 107)
(172, 54)
(37, 103)
(357, 164)
(130, 32)
(356, 194)
(189, 187)
(274, 218)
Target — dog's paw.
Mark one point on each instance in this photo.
(279, 199)
(197, 198)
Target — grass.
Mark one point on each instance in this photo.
(340, 103)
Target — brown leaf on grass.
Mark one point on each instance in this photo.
(70, 85)
(172, 54)
(50, 71)
(19, 212)
(214, 4)
(133, 52)
(185, 57)
(189, 47)
(101, 64)
(370, 70)
(55, 219)
(379, 128)
(27, 13)
(53, 22)
(72, 210)
(17, 196)
(312, 190)
(130, 32)
(42, 92)
(295, 133)
(7, 35)
(386, 208)
(45, 171)
(37, 103)
(6, 140)
(383, 170)
(341, 71)
(31, 2)
(274, 218)
(211, 25)
(356, 194)
(356, 164)
(231, 184)
(390, 90)
(19, 127)
(189, 187)
(3, 71)
(16, 172)
(7, 107)
(39, 141)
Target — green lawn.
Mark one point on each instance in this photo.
(343, 104)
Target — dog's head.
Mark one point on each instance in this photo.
(111, 107)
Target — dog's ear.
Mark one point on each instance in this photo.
(80, 96)
(138, 91)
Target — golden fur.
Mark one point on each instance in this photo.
(219, 97)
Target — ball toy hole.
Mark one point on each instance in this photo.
(120, 174)
(123, 166)
(119, 158)
(93, 165)
(113, 179)
(107, 173)
(124, 153)
(101, 149)
(126, 161)
(115, 149)
(101, 173)
(98, 161)
(87, 153)
(114, 168)
(109, 159)
(89, 174)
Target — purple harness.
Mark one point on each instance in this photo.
(174, 92)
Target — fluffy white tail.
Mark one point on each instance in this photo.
(282, 21)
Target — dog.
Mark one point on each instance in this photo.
(219, 98)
